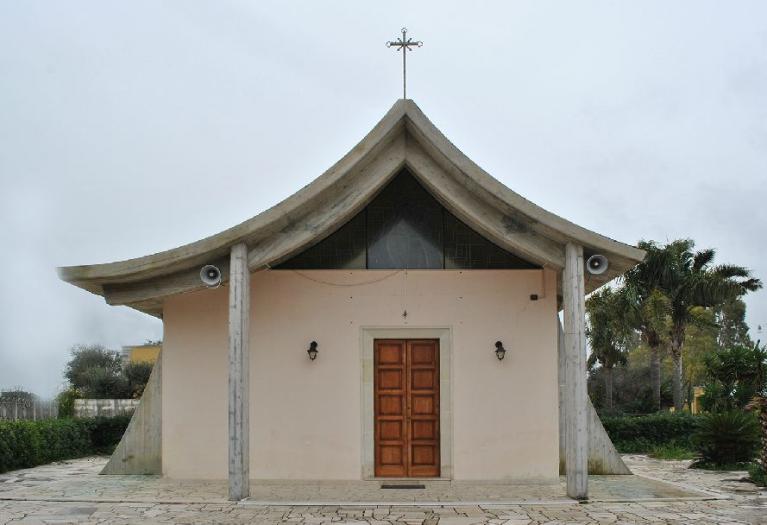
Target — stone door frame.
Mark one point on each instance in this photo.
(368, 334)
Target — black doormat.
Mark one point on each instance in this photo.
(410, 486)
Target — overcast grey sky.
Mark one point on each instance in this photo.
(127, 128)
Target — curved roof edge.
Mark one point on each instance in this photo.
(404, 136)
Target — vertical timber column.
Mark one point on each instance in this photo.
(239, 372)
(576, 430)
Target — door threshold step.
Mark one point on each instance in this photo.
(404, 486)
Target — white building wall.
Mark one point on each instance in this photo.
(305, 416)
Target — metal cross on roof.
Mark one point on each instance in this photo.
(404, 44)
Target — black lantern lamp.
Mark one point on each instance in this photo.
(500, 351)
(312, 350)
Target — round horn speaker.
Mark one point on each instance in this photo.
(210, 276)
(597, 264)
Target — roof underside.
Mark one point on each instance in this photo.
(403, 138)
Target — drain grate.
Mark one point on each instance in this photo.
(409, 486)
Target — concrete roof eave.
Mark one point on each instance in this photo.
(403, 137)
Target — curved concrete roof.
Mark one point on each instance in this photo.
(403, 137)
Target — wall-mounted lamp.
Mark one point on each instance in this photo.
(500, 351)
(312, 350)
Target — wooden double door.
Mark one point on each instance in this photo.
(406, 399)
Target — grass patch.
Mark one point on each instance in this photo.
(671, 451)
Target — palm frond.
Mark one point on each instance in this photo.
(703, 258)
(751, 285)
(730, 271)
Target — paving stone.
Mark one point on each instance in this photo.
(461, 520)
(149, 499)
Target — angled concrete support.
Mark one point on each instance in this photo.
(140, 449)
(576, 396)
(239, 372)
(604, 459)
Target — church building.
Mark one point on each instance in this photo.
(396, 318)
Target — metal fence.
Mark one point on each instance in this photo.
(18, 409)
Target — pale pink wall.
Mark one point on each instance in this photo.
(305, 416)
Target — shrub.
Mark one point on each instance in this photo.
(641, 434)
(105, 432)
(28, 443)
(757, 474)
(66, 402)
(727, 438)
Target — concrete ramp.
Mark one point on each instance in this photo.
(140, 449)
(603, 457)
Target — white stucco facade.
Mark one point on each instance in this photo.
(307, 417)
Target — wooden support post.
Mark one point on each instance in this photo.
(576, 415)
(239, 374)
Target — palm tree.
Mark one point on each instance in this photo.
(648, 308)
(690, 281)
(609, 334)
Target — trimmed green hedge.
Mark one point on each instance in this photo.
(25, 444)
(641, 434)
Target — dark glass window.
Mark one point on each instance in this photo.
(465, 248)
(404, 226)
(344, 249)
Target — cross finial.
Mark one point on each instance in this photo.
(404, 44)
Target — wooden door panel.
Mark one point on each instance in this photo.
(391, 353)
(423, 390)
(423, 455)
(391, 431)
(422, 380)
(391, 449)
(424, 430)
(389, 405)
(422, 405)
(390, 380)
(391, 457)
(423, 353)
(406, 398)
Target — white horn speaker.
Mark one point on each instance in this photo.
(210, 276)
(597, 264)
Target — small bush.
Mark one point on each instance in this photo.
(66, 402)
(641, 434)
(757, 474)
(105, 432)
(28, 443)
(727, 438)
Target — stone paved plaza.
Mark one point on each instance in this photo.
(664, 492)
